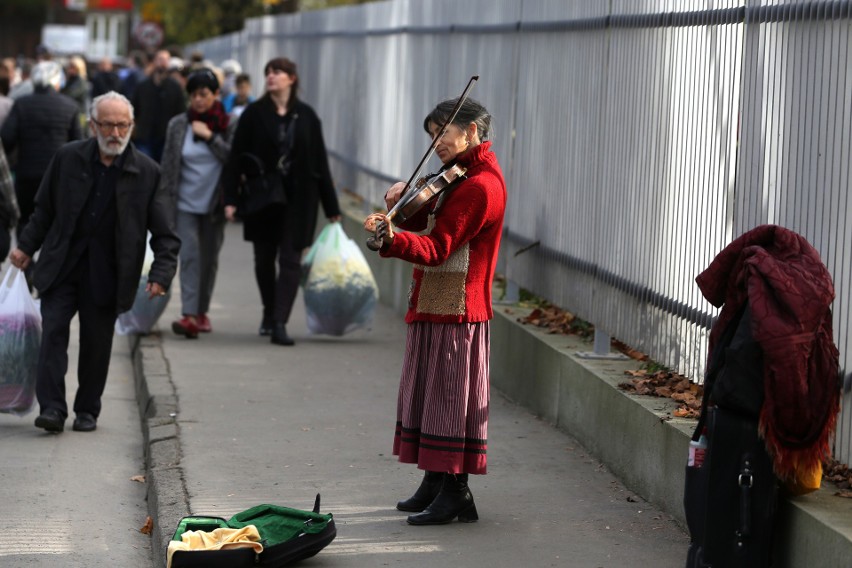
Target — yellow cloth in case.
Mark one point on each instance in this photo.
(218, 539)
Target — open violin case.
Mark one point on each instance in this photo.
(287, 535)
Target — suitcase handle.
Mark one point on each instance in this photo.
(745, 481)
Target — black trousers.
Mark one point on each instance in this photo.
(278, 293)
(97, 324)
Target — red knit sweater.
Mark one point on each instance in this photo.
(455, 253)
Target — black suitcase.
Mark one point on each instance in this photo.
(288, 535)
(731, 500)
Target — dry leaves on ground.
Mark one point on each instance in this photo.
(667, 384)
(148, 527)
(840, 475)
(556, 320)
(660, 383)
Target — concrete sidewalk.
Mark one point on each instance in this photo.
(69, 500)
(232, 421)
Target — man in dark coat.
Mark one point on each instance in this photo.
(106, 79)
(37, 126)
(98, 200)
(156, 100)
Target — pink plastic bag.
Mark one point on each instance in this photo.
(20, 340)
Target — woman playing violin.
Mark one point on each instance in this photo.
(442, 409)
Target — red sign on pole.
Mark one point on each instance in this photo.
(149, 34)
(122, 5)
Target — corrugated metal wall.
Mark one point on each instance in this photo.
(638, 138)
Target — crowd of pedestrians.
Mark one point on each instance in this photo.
(55, 95)
(98, 161)
(161, 154)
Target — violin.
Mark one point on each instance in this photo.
(427, 188)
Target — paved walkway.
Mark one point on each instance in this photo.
(67, 499)
(260, 423)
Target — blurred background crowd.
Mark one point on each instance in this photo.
(53, 94)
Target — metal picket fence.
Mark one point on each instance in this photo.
(638, 137)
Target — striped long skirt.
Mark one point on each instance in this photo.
(442, 410)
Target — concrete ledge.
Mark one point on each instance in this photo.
(632, 435)
(636, 440)
(155, 395)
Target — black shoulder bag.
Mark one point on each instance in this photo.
(260, 188)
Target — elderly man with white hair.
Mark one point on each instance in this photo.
(99, 199)
(37, 126)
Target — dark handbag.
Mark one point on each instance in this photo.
(288, 535)
(260, 189)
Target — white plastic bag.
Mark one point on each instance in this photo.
(339, 288)
(145, 312)
(20, 341)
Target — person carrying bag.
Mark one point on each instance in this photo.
(20, 340)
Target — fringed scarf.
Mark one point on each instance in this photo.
(215, 118)
(789, 291)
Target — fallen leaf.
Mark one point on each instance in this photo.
(139, 478)
(149, 526)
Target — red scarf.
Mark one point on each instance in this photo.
(790, 291)
(215, 118)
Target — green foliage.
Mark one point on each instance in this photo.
(529, 299)
(187, 21)
(653, 367)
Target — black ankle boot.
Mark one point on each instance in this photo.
(266, 325)
(279, 335)
(454, 500)
(425, 494)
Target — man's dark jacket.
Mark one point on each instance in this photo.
(141, 207)
(154, 106)
(104, 82)
(37, 126)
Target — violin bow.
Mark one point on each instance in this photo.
(376, 241)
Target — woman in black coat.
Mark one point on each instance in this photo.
(285, 136)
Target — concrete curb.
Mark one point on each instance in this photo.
(168, 500)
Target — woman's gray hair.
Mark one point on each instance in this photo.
(470, 112)
(110, 96)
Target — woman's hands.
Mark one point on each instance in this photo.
(201, 130)
(384, 234)
(394, 194)
(385, 228)
(230, 213)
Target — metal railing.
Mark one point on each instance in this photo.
(638, 138)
